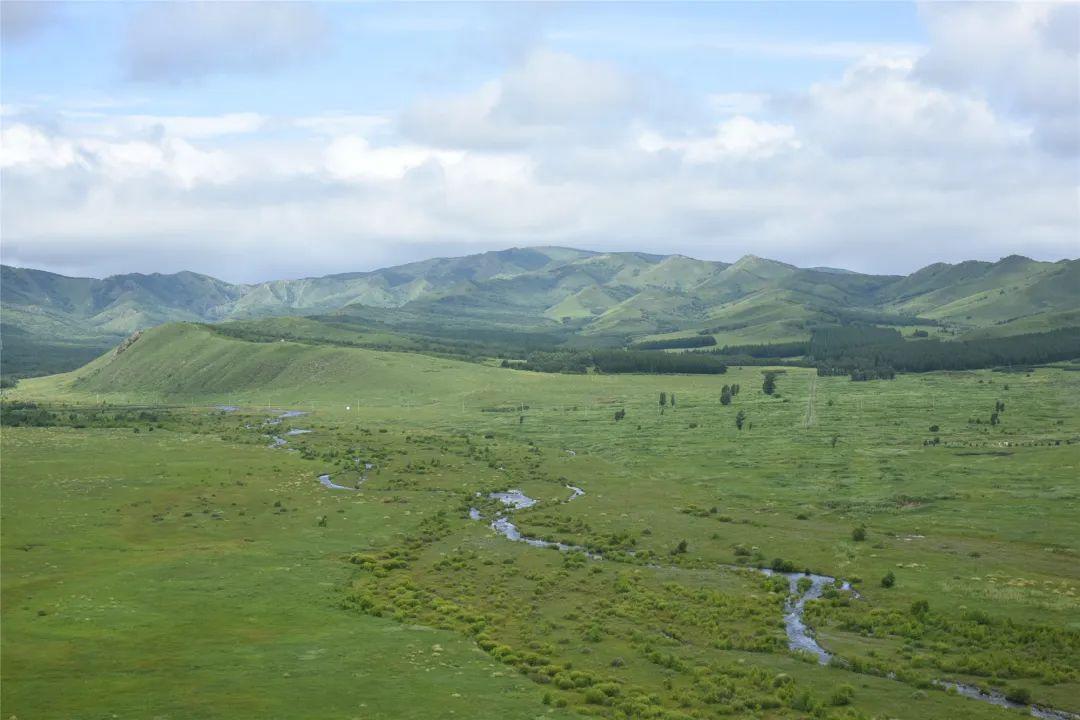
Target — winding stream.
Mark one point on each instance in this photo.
(996, 698)
(800, 636)
(328, 483)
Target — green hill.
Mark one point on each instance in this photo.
(542, 296)
(184, 362)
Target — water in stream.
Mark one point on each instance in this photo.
(800, 637)
(996, 698)
(328, 483)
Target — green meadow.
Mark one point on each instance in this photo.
(160, 560)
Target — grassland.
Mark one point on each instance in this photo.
(267, 609)
(151, 575)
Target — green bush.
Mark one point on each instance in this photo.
(1018, 695)
(842, 695)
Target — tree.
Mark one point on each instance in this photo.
(740, 418)
(619, 415)
(769, 385)
(672, 399)
(889, 580)
(994, 418)
(859, 533)
(725, 395)
(680, 549)
(663, 399)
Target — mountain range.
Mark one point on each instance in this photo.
(52, 323)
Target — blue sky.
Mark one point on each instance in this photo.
(375, 58)
(220, 137)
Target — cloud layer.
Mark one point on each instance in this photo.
(967, 149)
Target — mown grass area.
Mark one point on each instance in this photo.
(978, 521)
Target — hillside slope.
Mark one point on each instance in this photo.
(184, 362)
(556, 295)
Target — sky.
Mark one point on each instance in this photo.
(261, 140)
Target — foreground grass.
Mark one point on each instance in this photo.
(151, 575)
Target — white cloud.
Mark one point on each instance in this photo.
(880, 107)
(1024, 57)
(549, 97)
(22, 144)
(353, 158)
(30, 150)
(737, 138)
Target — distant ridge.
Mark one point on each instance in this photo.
(51, 322)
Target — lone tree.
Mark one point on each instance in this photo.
(889, 580)
(619, 415)
(859, 534)
(740, 418)
(663, 399)
(769, 385)
(725, 395)
(672, 399)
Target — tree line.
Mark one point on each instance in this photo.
(622, 361)
(866, 352)
(870, 352)
(694, 341)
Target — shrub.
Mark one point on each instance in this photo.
(781, 565)
(803, 701)
(858, 534)
(1018, 695)
(842, 695)
(889, 580)
(594, 696)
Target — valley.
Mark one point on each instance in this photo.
(150, 530)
